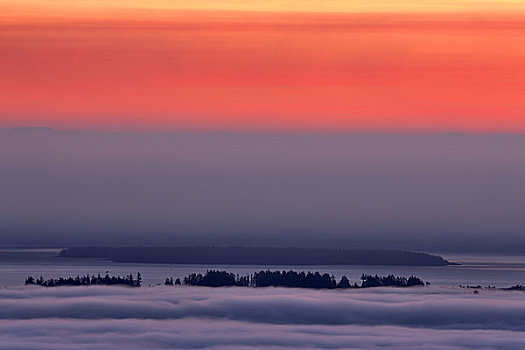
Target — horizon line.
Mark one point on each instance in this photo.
(299, 132)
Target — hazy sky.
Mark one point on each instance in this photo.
(429, 192)
(289, 83)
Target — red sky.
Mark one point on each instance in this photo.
(237, 68)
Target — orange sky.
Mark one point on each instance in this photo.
(254, 65)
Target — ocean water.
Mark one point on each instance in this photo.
(17, 263)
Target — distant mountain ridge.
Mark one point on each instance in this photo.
(255, 256)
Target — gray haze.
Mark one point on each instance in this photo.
(450, 192)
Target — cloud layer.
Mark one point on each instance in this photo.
(186, 317)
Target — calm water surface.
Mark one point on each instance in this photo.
(16, 263)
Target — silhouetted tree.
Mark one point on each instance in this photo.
(344, 283)
(415, 281)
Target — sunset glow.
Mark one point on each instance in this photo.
(263, 65)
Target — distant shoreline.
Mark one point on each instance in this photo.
(255, 256)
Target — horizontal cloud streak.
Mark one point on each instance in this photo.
(218, 70)
(187, 317)
(492, 310)
(154, 334)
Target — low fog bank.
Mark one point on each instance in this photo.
(213, 334)
(450, 192)
(268, 318)
(430, 307)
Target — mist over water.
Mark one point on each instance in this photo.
(266, 318)
(154, 316)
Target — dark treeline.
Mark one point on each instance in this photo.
(255, 256)
(87, 281)
(517, 287)
(390, 281)
(169, 281)
(293, 279)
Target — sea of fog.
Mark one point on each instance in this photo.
(162, 317)
(441, 316)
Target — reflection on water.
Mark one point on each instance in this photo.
(16, 263)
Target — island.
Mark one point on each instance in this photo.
(255, 256)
